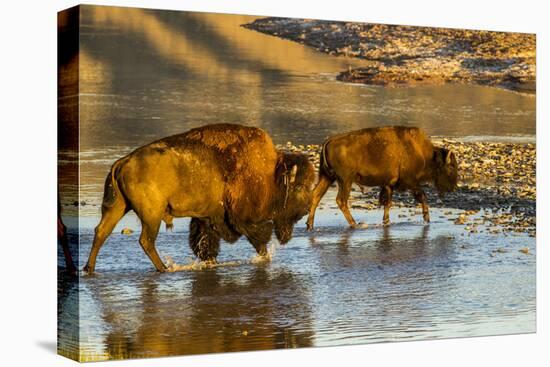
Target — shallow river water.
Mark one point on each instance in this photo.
(407, 281)
(148, 74)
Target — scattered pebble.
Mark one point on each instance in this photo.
(126, 231)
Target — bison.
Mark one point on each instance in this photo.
(229, 179)
(393, 158)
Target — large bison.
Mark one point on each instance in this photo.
(229, 179)
(393, 158)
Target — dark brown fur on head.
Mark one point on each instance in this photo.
(446, 170)
(295, 177)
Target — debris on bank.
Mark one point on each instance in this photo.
(403, 55)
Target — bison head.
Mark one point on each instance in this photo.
(295, 176)
(446, 170)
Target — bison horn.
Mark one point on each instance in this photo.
(448, 157)
(293, 173)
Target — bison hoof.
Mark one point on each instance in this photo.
(309, 227)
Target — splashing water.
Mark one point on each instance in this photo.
(259, 259)
(197, 265)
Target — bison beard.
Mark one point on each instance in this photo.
(203, 240)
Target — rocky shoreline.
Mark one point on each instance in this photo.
(404, 55)
(496, 191)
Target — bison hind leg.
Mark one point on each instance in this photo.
(228, 234)
(385, 199)
(226, 230)
(421, 198)
(203, 240)
(110, 215)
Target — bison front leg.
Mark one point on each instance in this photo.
(385, 199)
(204, 240)
(344, 188)
(259, 236)
(318, 193)
(421, 198)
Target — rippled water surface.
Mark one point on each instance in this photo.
(148, 74)
(404, 282)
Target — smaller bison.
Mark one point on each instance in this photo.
(393, 158)
(229, 179)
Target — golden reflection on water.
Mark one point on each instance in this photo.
(147, 74)
(149, 316)
(167, 42)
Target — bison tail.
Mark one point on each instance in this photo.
(324, 167)
(112, 192)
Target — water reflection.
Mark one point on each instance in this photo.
(380, 245)
(203, 312)
(391, 274)
(405, 281)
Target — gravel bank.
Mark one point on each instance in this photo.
(404, 55)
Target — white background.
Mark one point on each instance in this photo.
(28, 181)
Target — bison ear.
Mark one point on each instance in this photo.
(293, 172)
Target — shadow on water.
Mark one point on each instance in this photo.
(202, 312)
